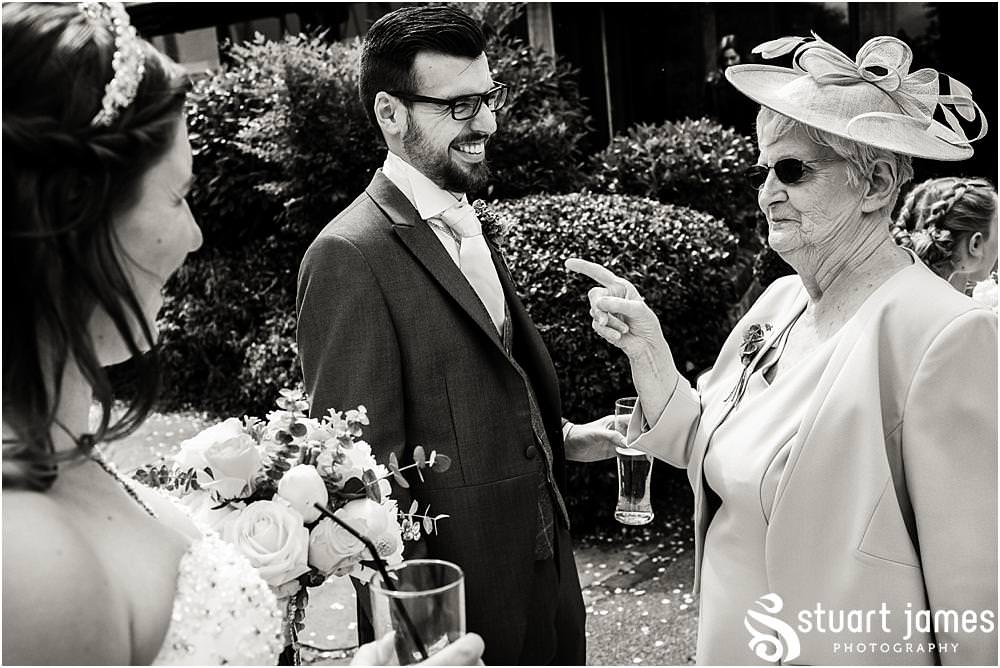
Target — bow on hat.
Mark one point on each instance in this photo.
(883, 62)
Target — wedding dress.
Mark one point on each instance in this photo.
(224, 612)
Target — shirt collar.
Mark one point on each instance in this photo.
(427, 197)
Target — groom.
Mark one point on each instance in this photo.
(404, 307)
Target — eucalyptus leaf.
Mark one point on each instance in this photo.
(441, 463)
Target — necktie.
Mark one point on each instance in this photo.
(474, 259)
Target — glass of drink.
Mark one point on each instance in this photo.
(425, 607)
(635, 469)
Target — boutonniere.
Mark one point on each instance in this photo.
(495, 228)
(753, 338)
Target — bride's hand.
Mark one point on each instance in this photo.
(466, 651)
(620, 316)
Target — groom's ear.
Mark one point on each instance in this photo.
(390, 112)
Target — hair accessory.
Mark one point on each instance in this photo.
(873, 99)
(128, 61)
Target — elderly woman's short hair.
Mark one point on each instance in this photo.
(860, 158)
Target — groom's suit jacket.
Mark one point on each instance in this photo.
(387, 320)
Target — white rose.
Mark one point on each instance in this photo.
(302, 486)
(271, 535)
(233, 464)
(357, 459)
(228, 451)
(333, 550)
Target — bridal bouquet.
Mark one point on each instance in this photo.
(255, 483)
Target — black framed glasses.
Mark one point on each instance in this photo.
(788, 170)
(464, 107)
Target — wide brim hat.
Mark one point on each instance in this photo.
(873, 100)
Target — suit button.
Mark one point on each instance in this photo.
(531, 452)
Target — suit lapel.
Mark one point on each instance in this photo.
(417, 236)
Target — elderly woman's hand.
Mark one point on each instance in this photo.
(620, 315)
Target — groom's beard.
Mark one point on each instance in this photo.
(440, 168)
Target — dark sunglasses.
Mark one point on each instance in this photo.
(464, 107)
(788, 171)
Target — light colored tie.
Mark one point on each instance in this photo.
(474, 259)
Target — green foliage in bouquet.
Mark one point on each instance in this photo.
(679, 260)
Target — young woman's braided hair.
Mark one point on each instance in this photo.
(939, 214)
(65, 176)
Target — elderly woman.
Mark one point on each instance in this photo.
(843, 448)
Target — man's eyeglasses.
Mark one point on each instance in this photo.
(788, 170)
(464, 107)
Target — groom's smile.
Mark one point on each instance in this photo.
(450, 152)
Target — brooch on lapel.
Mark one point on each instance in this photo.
(753, 339)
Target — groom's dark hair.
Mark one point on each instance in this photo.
(393, 42)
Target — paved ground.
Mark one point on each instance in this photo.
(636, 581)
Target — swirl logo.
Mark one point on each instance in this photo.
(765, 644)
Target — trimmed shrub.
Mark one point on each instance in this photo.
(677, 258)
(693, 163)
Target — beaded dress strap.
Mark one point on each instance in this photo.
(87, 442)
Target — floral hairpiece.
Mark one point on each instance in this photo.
(128, 61)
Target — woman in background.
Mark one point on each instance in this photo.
(951, 224)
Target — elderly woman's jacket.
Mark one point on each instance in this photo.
(901, 428)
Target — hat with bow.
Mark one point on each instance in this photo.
(873, 99)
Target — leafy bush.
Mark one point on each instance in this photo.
(537, 147)
(678, 259)
(693, 163)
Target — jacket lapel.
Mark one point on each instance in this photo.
(417, 236)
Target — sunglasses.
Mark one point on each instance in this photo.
(788, 170)
(466, 106)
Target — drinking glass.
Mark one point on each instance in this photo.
(432, 594)
(635, 469)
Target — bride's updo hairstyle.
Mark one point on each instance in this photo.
(87, 109)
(939, 214)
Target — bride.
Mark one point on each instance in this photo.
(96, 166)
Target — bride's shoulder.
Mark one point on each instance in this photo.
(59, 605)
